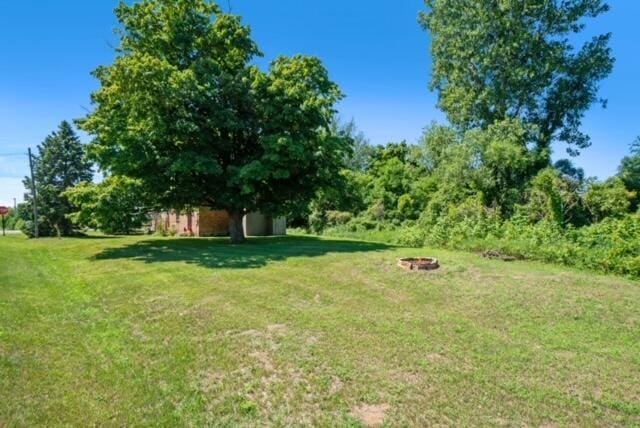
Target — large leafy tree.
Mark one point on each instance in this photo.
(183, 110)
(59, 164)
(496, 59)
(629, 171)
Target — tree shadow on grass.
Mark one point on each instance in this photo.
(219, 253)
(96, 237)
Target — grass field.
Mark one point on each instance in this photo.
(301, 330)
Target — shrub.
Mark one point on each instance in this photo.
(609, 199)
(161, 229)
(458, 225)
(335, 218)
(317, 221)
(612, 245)
(18, 224)
(44, 228)
(411, 236)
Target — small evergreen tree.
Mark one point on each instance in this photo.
(59, 164)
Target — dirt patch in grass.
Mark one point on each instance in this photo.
(336, 385)
(436, 358)
(371, 415)
(264, 359)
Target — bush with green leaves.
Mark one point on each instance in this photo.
(114, 206)
(609, 199)
(554, 198)
(452, 225)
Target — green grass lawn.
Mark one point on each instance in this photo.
(301, 330)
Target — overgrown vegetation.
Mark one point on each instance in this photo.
(511, 84)
(480, 190)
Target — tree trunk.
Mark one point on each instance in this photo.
(236, 231)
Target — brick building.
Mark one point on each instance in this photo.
(207, 222)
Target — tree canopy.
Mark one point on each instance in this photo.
(494, 60)
(184, 110)
(117, 205)
(629, 171)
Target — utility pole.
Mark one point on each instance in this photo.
(34, 195)
(15, 206)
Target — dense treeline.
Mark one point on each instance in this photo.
(482, 190)
(513, 86)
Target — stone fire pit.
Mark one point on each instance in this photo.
(419, 263)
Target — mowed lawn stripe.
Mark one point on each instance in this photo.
(301, 330)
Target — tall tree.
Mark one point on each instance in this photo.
(59, 164)
(496, 59)
(183, 110)
(629, 172)
(361, 154)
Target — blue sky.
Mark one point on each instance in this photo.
(374, 49)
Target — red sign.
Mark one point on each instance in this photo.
(4, 210)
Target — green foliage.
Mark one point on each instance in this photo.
(411, 236)
(17, 217)
(456, 224)
(483, 190)
(612, 245)
(319, 220)
(629, 172)
(11, 219)
(511, 83)
(493, 163)
(569, 171)
(608, 199)
(554, 198)
(114, 206)
(347, 195)
(514, 59)
(335, 218)
(59, 165)
(19, 224)
(361, 154)
(184, 110)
